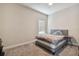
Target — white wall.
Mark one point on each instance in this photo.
(67, 18)
(18, 24)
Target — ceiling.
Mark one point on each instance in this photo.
(48, 9)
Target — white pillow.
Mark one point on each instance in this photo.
(42, 32)
(58, 33)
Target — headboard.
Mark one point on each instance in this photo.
(59, 32)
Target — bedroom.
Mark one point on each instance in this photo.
(20, 23)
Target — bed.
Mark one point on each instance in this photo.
(54, 41)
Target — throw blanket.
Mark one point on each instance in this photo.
(50, 38)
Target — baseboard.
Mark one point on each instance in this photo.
(13, 46)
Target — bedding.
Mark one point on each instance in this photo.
(57, 45)
(51, 47)
(50, 38)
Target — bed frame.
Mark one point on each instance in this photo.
(60, 48)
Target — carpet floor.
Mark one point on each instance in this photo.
(33, 50)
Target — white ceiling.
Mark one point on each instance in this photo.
(48, 9)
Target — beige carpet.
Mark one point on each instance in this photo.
(33, 50)
(70, 51)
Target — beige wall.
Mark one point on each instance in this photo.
(67, 18)
(18, 24)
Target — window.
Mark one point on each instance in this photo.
(42, 26)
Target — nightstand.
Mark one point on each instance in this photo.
(69, 41)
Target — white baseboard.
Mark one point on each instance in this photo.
(13, 46)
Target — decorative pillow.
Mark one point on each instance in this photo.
(57, 33)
